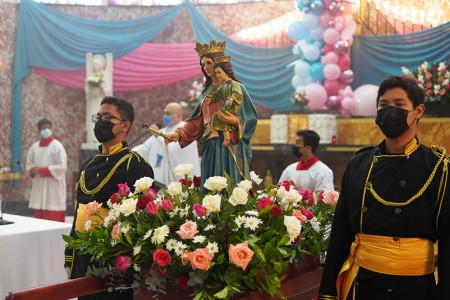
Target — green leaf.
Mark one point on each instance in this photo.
(259, 253)
(283, 241)
(222, 294)
(221, 259)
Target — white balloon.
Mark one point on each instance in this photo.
(301, 68)
(311, 52)
(365, 98)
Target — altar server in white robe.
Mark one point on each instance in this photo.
(309, 172)
(47, 165)
(164, 158)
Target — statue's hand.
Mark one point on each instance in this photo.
(171, 137)
(227, 118)
(207, 101)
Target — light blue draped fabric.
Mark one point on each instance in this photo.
(263, 71)
(52, 39)
(376, 57)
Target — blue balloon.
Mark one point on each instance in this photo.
(317, 7)
(297, 31)
(316, 71)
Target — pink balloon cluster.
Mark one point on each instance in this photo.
(323, 69)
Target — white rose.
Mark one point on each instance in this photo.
(293, 226)
(239, 196)
(128, 206)
(174, 188)
(143, 184)
(245, 184)
(183, 169)
(281, 192)
(211, 203)
(215, 183)
(255, 178)
(293, 196)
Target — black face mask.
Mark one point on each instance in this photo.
(393, 121)
(296, 151)
(103, 131)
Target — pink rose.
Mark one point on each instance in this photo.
(276, 211)
(185, 258)
(200, 259)
(115, 198)
(442, 92)
(429, 75)
(301, 217)
(308, 214)
(123, 262)
(197, 181)
(188, 230)
(166, 205)
(91, 208)
(162, 257)
(286, 184)
(199, 210)
(151, 208)
(307, 195)
(124, 190)
(142, 202)
(330, 197)
(265, 202)
(151, 194)
(320, 196)
(240, 254)
(440, 80)
(183, 182)
(115, 231)
(428, 85)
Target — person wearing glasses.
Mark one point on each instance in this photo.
(47, 165)
(99, 178)
(164, 158)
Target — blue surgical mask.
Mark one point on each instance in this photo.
(46, 133)
(167, 120)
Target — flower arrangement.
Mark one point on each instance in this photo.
(434, 79)
(193, 94)
(95, 79)
(226, 242)
(299, 99)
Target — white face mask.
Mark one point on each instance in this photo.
(46, 133)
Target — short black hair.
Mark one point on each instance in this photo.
(125, 108)
(310, 138)
(409, 85)
(43, 122)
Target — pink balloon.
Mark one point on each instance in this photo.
(331, 71)
(349, 30)
(347, 92)
(346, 77)
(316, 95)
(331, 58)
(341, 47)
(332, 87)
(324, 18)
(365, 98)
(335, 8)
(348, 103)
(327, 48)
(344, 62)
(330, 35)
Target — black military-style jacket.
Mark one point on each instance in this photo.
(105, 171)
(396, 179)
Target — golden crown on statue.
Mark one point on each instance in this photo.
(222, 59)
(213, 47)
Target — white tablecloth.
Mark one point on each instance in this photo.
(31, 253)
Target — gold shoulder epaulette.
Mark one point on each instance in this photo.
(439, 151)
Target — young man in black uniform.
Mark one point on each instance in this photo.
(101, 174)
(394, 205)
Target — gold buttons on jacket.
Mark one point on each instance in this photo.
(364, 209)
(402, 183)
(397, 210)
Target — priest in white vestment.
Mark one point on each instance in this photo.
(47, 165)
(164, 158)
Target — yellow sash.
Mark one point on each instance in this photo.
(95, 220)
(386, 255)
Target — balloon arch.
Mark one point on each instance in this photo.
(323, 37)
